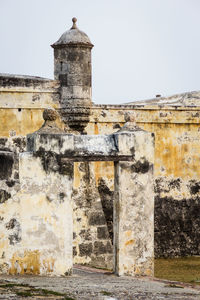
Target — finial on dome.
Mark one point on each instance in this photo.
(74, 20)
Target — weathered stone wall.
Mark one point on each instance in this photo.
(176, 190)
(22, 101)
(36, 217)
(92, 219)
(177, 174)
(9, 170)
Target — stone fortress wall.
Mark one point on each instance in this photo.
(175, 122)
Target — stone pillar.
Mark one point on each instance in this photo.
(45, 223)
(46, 218)
(134, 204)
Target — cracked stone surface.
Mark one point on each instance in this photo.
(87, 283)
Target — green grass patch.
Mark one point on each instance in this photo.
(185, 269)
(48, 292)
(11, 285)
(31, 291)
(42, 292)
(105, 293)
(24, 294)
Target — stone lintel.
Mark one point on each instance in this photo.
(113, 147)
(97, 158)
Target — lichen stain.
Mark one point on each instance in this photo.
(148, 272)
(130, 242)
(48, 264)
(128, 233)
(29, 263)
(137, 271)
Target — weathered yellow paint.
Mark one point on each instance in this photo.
(77, 175)
(96, 129)
(177, 149)
(169, 154)
(4, 244)
(137, 270)
(21, 114)
(176, 144)
(128, 233)
(148, 272)
(29, 263)
(104, 169)
(14, 122)
(147, 114)
(130, 242)
(23, 122)
(48, 263)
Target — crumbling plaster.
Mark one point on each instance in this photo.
(174, 121)
(40, 226)
(176, 131)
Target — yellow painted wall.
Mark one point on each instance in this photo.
(177, 142)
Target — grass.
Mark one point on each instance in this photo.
(41, 292)
(10, 285)
(24, 294)
(184, 269)
(47, 292)
(105, 293)
(31, 291)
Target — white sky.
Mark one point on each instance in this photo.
(142, 47)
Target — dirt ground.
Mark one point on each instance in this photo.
(87, 283)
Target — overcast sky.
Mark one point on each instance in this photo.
(141, 47)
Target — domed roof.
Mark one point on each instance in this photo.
(73, 36)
